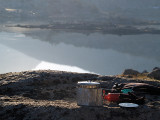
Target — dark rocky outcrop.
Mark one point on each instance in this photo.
(130, 72)
(156, 68)
(155, 73)
(145, 71)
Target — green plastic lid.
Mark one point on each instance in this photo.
(126, 91)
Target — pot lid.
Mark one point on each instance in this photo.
(88, 83)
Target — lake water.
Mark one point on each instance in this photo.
(85, 52)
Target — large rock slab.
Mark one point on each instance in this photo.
(154, 74)
(130, 72)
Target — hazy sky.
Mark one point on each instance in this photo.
(143, 9)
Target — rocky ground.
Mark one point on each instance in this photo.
(51, 95)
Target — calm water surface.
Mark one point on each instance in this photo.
(83, 52)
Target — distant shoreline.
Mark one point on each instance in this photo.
(103, 28)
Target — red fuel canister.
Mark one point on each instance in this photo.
(112, 97)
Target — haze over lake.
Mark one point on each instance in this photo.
(99, 53)
(93, 36)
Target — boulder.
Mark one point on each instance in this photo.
(130, 72)
(156, 68)
(145, 71)
(154, 74)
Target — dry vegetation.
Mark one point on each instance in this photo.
(142, 76)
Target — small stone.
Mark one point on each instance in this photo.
(129, 76)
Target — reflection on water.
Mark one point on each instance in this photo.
(92, 52)
(12, 60)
